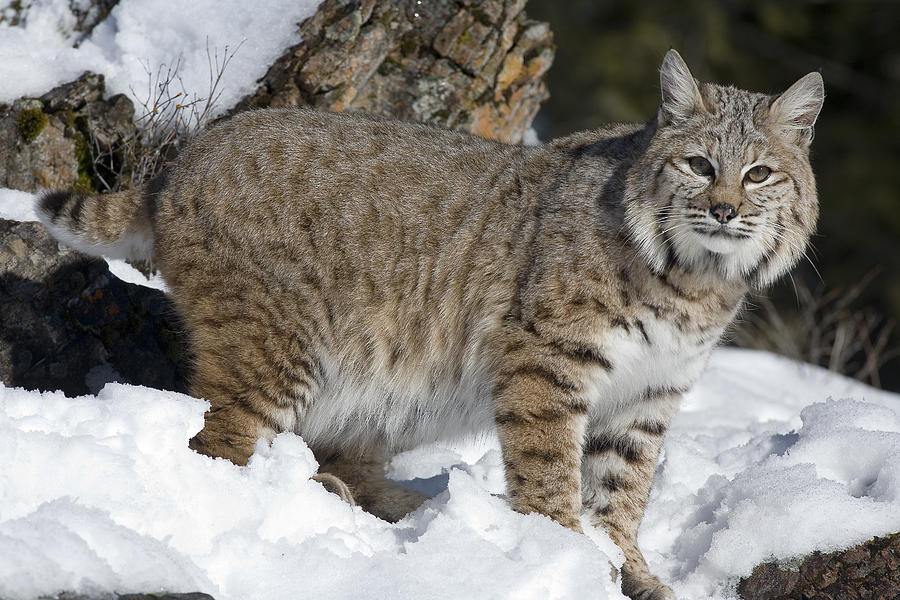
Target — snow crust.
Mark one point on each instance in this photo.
(101, 493)
(141, 35)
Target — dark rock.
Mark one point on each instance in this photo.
(64, 318)
(475, 66)
(869, 571)
(88, 14)
(75, 94)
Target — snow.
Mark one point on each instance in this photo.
(770, 459)
(142, 35)
(16, 205)
(101, 493)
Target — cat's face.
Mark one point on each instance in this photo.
(732, 191)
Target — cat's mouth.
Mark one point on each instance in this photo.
(720, 239)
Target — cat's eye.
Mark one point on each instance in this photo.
(758, 174)
(701, 166)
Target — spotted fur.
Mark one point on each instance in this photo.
(373, 285)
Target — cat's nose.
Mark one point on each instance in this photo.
(722, 212)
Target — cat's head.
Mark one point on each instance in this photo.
(725, 184)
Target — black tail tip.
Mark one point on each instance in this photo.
(52, 203)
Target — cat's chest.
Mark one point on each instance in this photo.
(647, 354)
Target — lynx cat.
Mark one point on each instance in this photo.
(372, 285)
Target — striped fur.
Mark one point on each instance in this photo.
(117, 226)
(373, 285)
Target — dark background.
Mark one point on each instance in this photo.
(606, 69)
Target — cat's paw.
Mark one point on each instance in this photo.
(645, 586)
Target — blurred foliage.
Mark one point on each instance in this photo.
(608, 53)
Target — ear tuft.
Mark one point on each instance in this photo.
(680, 94)
(798, 108)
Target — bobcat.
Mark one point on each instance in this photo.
(373, 285)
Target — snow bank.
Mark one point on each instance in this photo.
(770, 459)
(102, 494)
(138, 35)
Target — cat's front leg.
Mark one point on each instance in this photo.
(620, 452)
(540, 421)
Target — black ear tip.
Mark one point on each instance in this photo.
(52, 202)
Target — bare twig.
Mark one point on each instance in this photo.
(169, 118)
(825, 330)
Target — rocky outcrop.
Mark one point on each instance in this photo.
(66, 138)
(473, 65)
(869, 571)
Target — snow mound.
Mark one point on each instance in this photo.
(102, 494)
(770, 459)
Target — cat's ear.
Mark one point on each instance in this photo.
(796, 109)
(680, 94)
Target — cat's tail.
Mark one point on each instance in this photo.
(114, 225)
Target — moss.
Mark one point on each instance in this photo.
(84, 183)
(68, 117)
(31, 122)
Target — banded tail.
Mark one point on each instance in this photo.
(113, 225)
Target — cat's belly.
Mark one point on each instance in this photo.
(397, 413)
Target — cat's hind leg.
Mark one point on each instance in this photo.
(257, 380)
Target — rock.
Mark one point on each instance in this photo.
(88, 14)
(35, 152)
(869, 571)
(75, 94)
(475, 66)
(68, 138)
(66, 323)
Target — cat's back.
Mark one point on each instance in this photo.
(281, 169)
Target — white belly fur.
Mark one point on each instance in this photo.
(397, 412)
(400, 412)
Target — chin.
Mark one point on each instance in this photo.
(720, 243)
(733, 257)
